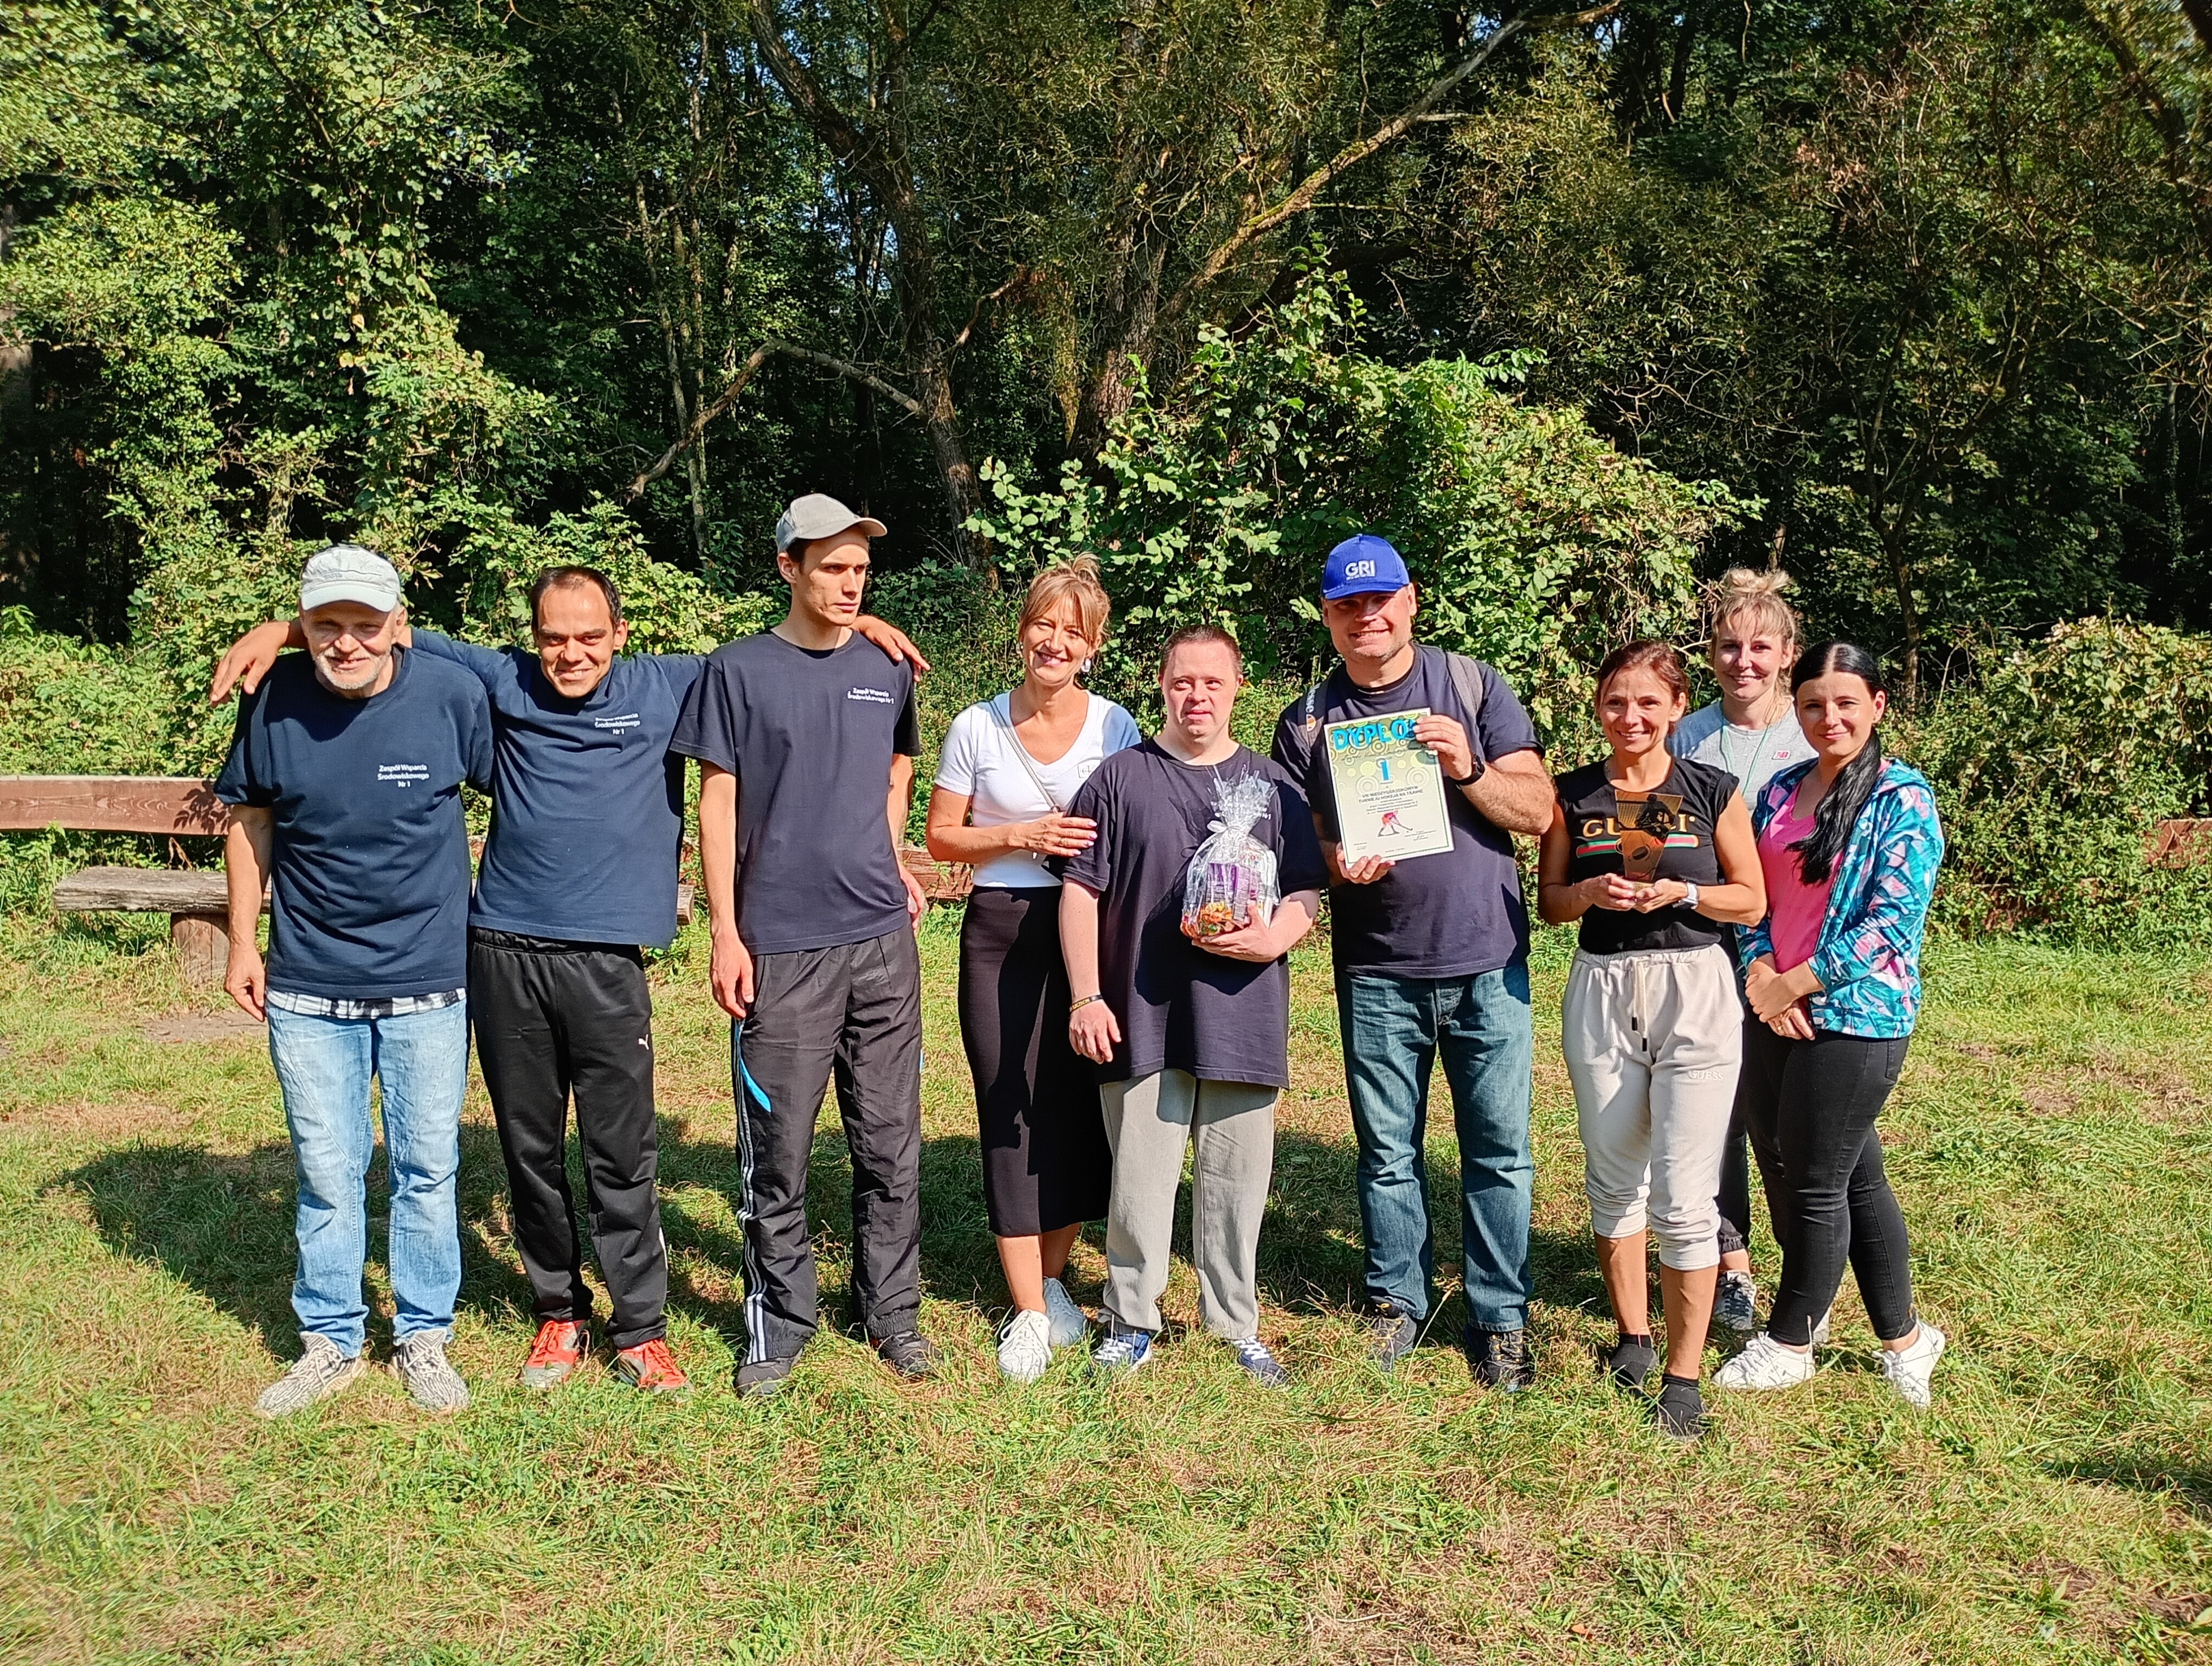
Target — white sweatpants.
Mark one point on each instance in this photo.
(1653, 1039)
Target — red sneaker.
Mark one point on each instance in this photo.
(559, 1348)
(651, 1367)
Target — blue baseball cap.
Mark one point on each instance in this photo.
(1362, 564)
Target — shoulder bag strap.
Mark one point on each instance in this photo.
(1006, 720)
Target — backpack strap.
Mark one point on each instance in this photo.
(1467, 684)
(1309, 717)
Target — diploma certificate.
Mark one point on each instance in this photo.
(1390, 788)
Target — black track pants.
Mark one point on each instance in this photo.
(553, 1018)
(851, 1012)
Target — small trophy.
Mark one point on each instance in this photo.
(1645, 819)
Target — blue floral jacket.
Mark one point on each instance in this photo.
(1867, 958)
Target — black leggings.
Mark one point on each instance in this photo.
(1810, 1107)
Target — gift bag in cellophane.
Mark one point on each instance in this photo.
(1233, 870)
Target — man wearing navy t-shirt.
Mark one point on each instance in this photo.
(579, 871)
(345, 777)
(1431, 964)
(806, 738)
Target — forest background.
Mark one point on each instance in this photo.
(1908, 296)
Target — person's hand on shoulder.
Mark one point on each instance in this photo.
(893, 642)
(247, 660)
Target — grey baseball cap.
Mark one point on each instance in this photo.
(819, 515)
(348, 573)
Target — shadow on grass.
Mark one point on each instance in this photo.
(222, 1223)
(2183, 1478)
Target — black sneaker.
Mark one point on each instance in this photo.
(759, 1379)
(1500, 1360)
(909, 1354)
(1679, 1410)
(1392, 1336)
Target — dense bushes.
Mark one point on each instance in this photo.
(1536, 544)
(2051, 772)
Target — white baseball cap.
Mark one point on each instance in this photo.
(348, 573)
(819, 515)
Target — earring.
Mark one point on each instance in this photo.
(1084, 668)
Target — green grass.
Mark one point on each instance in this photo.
(2050, 1142)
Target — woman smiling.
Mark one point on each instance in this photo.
(1654, 854)
(1849, 845)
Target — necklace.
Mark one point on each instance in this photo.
(1757, 743)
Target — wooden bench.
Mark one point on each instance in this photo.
(196, 899)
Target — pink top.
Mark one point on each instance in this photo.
(1794, 908)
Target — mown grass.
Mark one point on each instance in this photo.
(2052, 1142)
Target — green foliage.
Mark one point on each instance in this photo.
(2050, 774)
(1536, 545)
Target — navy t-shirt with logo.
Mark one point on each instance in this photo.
(588, 801)
(1181, 1008)
(810, 734)
(371, 855)
(1459, 912)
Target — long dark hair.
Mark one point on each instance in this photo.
(1819, 850)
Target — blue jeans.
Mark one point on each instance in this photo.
(323, 1065)
(1393, 1028)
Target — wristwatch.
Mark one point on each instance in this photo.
(1472, 776)
(1690, 895)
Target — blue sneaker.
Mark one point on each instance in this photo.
(1252, 1354)
(1124, 1349)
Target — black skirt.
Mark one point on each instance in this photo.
(1046, 1164)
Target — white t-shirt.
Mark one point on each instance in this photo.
(979, 760)
(1753, 756)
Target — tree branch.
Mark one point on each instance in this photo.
(1309, 188)
(1021, 276)
(728, 397)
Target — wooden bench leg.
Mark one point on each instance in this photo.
(202, 943)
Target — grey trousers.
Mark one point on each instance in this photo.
(851, 1014)
(1149, 1120)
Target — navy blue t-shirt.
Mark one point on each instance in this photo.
(588, 801)
(809, 735)
(371, 855)
(1459, 912)
(1181, 1008)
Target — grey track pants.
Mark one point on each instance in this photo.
(851, 1013)
(1149, 1122)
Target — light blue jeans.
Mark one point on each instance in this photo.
(1395, 1030)
(323, 1065)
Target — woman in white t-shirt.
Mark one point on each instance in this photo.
(1008, 769)
(1752, 732)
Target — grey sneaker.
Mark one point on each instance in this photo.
(430, 1380)
(319, 1373)
(1391, 1336)
(1734, 1302)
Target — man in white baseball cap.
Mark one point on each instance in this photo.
(806, 736)
(344, 779)
(818, 514)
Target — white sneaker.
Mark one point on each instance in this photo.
(1908, 1369)
(1820, 1330)
(1765, 1364)
(1025, 1347)
(1069, 1322)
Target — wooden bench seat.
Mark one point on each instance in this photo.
(195, 899)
